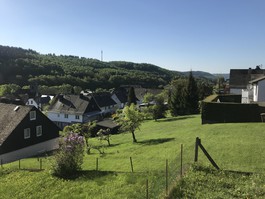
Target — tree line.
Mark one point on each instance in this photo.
(25, 67)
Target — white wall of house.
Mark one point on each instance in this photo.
(30, 151)
(255, 92)
(247, 96)
(109, 109)
(65, 118)
(259, 91)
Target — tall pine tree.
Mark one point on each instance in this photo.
(192, 97)
(184, 97)
(177, 97)
(131, 97)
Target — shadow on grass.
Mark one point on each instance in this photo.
(239, 172)
(112, 145)
(87, 175)
(171, 119)
(155, 141)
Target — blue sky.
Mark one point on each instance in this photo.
(182, 35)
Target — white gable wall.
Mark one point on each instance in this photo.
(32, 102)
(260, 91)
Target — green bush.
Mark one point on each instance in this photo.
(69, 158)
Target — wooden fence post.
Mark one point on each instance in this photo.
(131, 164)
(147, 193)
(166, 177)
(208, 156)
(181, 160)
(19, 164)
(1, 163)
(97, 164)
(197, 145)
(196, 149)
(40, 163)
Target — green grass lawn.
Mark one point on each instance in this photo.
(236, 147)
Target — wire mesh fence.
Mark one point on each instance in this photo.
(141, 174)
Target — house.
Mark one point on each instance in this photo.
(106, 104)
(120, 96)
(255, 91)
(67, 109)
(25, 131)
(239, 78)
(141, 92)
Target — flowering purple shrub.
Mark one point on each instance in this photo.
(70, 155)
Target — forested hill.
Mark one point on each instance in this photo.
(25, 67)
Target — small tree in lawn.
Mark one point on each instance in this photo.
(86, 130)
(69, 157)
(104, 134)
(130, 119)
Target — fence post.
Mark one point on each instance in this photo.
(19, 164)
(208, 156)
(97, 164)
(196, 149)
(131, 164)
(166, 177)
(40, 163)
(1, 163)
(147, 194)
(181, 160)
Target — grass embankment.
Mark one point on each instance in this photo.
(238, 147)
(206, 182)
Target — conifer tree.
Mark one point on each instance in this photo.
(131, 97)
(192, 96)
(177, 100)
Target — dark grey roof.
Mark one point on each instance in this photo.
(71, 104)
(104, 99)
(121, 94)
(108, 123)
(239, 78)
(10, 118)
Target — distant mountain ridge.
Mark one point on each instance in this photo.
(26, 67)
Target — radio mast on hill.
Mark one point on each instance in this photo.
(101, 55)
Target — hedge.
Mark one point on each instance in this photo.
(213, 112)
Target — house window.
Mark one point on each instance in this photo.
(77, 117)
(31, 101)
(65, 115)
(26, 133)
(38, 131)
(58, 115)
(32, 115)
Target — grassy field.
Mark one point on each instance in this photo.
(236, 147)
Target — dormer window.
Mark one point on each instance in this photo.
(32, 115)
